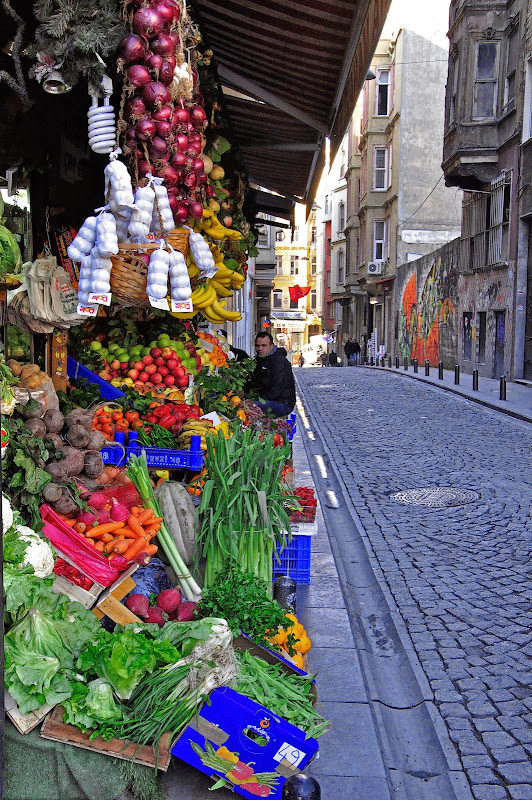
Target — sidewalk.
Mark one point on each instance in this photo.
(518, 401)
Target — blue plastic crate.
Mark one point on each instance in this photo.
(294, 559)
(77, 372)
(116, 456)
(292, 419)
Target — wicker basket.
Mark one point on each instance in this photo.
(129, 273)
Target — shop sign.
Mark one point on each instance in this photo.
(289, 315)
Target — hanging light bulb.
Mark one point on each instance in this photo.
(102, 124)
(54, 83)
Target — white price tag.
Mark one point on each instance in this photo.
(207, 346)
(287, 752)
(210, 272)
(86, 310)
(182, 306)
(161, 303)
(213, 417)
(102, 298)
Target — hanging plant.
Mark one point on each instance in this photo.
(75, 38)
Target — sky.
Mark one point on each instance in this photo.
(429, 18)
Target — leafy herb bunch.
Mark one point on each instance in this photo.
(244, 601)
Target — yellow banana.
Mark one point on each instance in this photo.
(193, 271)
(220, 289)
(198, 293)
(222, 312)
(212, 317)
(207, 299)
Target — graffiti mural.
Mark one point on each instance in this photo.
(427, 319)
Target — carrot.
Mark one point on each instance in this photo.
(70, 522)
(109, 545)
(106, 537)
(135, 510)
(145, 516)
(80, 527)
(138, 546)
(107, 527)
(152, 530)
(91, 542)
(122, 546)
(98, 545)
(150, 550)
(136, 527)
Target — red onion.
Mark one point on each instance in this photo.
(164, 159)
(148, 23)
(198, 117)
(210, 191)
(144, 256)
(182, 142)
(197, 165)
(173, 190)
(193, 149)
(168, 9)
(171, 60)
(138, 75)
(190, 128)
(173, 202)
(195, 210)
(166, 75)
(194, 136)
(134, 110)
(175, 38)
(145, 129)
(170, 175)
(181, 214)
(163, 113)
(163, 45)
(156, 95)
(179, 160)
(144, 168)
(191, 180)
(157, 147)
(131, 49)
(164, 129)
(181, 117)
(154, 62)
(202, 179)
(131, 136)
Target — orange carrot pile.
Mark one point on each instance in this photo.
(128, 538)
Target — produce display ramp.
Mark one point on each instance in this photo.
(78, 372)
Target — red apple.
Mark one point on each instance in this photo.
(143, 376)
(178, 372)
(155, 352)
(151, 369)
(157, 378)
(172, 363)
(164, 371)
(115, 373)
(124, 365)
(147, 360)
(115, 364)
(198, 362)
(159, 361)
(182, 382)
(133, 373)
(166, 353)
(169, 380)
(138, 365)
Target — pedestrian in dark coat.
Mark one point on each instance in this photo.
(273, 377)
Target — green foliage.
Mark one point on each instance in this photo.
(23, 471)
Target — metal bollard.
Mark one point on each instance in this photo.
(284, 591)
(456, 374)
(383, 362)
(440, 370)
(389, 362)
(502, 388)
(301, 787)
(372, 362)
(427, 369)
(475, 380)
(415, 366)
(396, 362)
(405, 363)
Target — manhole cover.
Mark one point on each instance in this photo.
(441, 497)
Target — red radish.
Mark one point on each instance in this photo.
(138, 605)
(195, 210)
(131, 49)
(119, 512)
(147, 23)
(169, 600)
(157, 615)
(154, 62)
(198, 117)
(135, 109)
(138, 75)
(166, 73)
(145, 129)
(143, 559)
(97, 500)
(163, 114)
(156, 95)
(163, 45)
(87, 517)
(186, 611)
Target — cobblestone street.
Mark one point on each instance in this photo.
(459, 576)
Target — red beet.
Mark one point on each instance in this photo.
(138, 605)
(186, 611)
(169, 600)
(157, 615)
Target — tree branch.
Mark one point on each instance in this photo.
(18, 86)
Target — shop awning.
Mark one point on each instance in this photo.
(291, 73)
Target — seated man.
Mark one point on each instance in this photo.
(273, 377)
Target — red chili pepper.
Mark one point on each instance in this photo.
(239, 772)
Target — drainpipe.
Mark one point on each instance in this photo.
(521, 269)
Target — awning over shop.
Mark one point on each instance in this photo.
(291, 73)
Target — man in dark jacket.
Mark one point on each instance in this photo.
(273, 377)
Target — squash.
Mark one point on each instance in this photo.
(178, 511)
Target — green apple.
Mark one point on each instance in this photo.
(146, 350)
(152, 345)
(103, 353)
(163, 340)
(113, 347)
(95, 346)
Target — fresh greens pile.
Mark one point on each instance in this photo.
(244, 601)
(288, 695)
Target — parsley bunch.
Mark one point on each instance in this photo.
(244, 601)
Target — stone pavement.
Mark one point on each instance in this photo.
(457, 580)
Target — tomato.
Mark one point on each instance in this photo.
(108, 428)
(117, 416)
(131, 416)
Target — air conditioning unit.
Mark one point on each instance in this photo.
(375, 267)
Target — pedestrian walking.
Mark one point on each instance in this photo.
(324, 359)
(333, 359)
(348, 350)
(301, 360)
(355, 355)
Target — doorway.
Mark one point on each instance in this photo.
(498, 360)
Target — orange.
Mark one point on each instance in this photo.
(303, 645)
(298, 660)
(280, 636)
(236, 400)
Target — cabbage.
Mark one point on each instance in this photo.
(10, 258)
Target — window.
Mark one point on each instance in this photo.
(277, 296)
(294, 304)
(279, 236)
(341, 217)
(263, 239)
(382, 98)
(340, 266)
(511, 66)
(453, 84)
(294, 265)
(326, 209)
(380, 156)
(357, 252)
(357, 195)
(379, 232)
(313, 265)
(475, 216)
(313, 301)
(331, 309)
(342, 163)
(328, 247)
(313, 235)
(389, 165)
(499, 219)
(527, 114)
(481, 328)
(295, 235)
(485, 86)
(279, 265)
(329, 279)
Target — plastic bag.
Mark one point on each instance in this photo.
(45, 394)
(64, 299)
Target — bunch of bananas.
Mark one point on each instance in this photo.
(211, 225)
(194, 427)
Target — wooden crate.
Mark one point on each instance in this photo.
(58, 731)
(24, 723)
(109, 604)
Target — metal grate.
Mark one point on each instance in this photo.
(440, 497)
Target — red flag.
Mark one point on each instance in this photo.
(296, 292)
